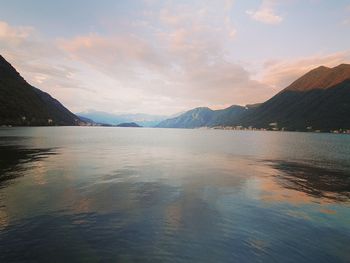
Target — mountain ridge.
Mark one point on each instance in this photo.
(24, 105)
(321, 78)
(318, 100)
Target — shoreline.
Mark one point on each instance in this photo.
(225, 128)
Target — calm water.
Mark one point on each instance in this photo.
(166, 195)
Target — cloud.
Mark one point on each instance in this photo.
(24, 42)
(174, 19)
(183, 60)
(15, 35)
(266, 13)
(228, 4)
(39, 61)
(120, 56)
(167, 57)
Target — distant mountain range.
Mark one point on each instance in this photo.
(319, 100)
(146, 120)
(23, 104)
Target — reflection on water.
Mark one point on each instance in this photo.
(149, 195)
(14, 159)
(318, 182)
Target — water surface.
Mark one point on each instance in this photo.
(82, 194)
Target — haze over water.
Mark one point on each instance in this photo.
(161, 195)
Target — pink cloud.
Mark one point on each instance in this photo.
(14, 34)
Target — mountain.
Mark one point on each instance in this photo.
(23, 104)
(200, 117)
(321, 78)
(195, 118)
(145, 120)
(319, 100)
(226, 116)
(87, 120)
(129, 124)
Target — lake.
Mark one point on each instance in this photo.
(94, 194)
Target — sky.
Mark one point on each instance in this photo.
(164, 57)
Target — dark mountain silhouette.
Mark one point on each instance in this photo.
(225, 116)
(86, 120)
(319, 100)
(129, 124)
(23, 104)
